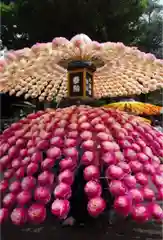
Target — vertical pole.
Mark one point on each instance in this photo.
(84, 82)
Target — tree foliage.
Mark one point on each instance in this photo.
(150, 27)
(25, 22)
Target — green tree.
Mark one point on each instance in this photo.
(25, 22)
(150, 27)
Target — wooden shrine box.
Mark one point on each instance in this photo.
(80, 79)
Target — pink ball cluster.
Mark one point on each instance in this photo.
(102, 141)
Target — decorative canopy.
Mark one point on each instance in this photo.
(47, 155)
(41, 71)
(137, 108)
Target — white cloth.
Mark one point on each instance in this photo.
(158, 128)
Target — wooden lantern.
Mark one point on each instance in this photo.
(80, 79)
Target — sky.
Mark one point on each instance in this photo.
(161, 1)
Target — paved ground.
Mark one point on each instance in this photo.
(98, 230)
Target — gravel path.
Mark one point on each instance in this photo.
(97, 230)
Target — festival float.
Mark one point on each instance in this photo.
(80, 157)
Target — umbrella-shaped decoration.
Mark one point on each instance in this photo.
(42, 70)
(138, 108)
(56, 157)
(43, 154)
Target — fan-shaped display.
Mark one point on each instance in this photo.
(138, 108)
(41, 71)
